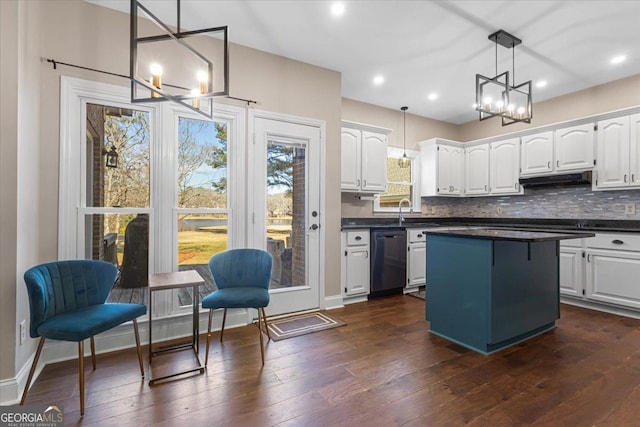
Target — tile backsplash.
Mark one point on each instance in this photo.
(562, 202)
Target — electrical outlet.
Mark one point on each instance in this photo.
(23, 331)
(630, 209)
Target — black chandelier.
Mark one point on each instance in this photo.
(500, 96)
(187, 63)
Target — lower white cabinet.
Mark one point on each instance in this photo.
(416, 258)
(571, 271)
(355, 263)
(605, 269)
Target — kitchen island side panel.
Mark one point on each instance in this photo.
(524, 291)
(458, 289)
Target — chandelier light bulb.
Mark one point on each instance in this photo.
(203, 78)
(156, 78)
(500, 105)
(195, 102)
(520, 112)
(156, 69)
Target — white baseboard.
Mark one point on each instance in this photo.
(353, 300)
(118, 338)
(600, 307)
(333, 302)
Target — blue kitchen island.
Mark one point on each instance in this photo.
(488, 289)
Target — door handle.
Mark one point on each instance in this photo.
(588, 257)
(314, 227)
(617, 242)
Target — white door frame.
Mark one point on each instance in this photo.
(252, 184)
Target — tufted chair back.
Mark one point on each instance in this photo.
(58, 287)
(249, 268)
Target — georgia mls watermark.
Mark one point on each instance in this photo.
(31, 416)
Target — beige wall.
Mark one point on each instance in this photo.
(607, 97)
(97, 37)
(418, 129)
(611, 96)
(8, 183)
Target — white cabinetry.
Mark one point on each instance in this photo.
(572, 267)
(563, 150)
(442, 168)
(505, 167)
(613, 269)
(355, 263)
(416, 258)
(363, 158)
(537, 154)
(477, 169)
(618, 155)
(603, 269)
(574, 148)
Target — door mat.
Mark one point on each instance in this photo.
(420, 294)
(302, 324)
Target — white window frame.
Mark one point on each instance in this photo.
(74, 95)
(414, 157)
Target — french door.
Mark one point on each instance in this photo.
(284, 207)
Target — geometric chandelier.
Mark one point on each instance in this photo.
(183, 57)
(500, 96)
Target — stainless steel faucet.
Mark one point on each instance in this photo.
(400, 217)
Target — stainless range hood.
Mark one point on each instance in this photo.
(563, 180)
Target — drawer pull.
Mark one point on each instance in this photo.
(419, 236)
(617, 242)
(358, 238)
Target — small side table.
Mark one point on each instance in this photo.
(176, 280)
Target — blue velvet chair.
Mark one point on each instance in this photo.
(67, 303)
(242, 277)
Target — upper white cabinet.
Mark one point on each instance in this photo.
(477, 170)
(505, 167)
(574, 148)
(618, 155)
(537, 154)
(563, 150)
(363, 158)
(442, 168)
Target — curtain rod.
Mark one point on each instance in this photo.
(56, 63)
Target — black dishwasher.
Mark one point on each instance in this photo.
(388, 261)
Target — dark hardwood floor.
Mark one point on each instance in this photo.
(382, 369)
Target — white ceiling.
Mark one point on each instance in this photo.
(422, 47)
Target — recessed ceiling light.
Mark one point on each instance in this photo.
(432, 96)
(618, 59)
(541, 83)
(378, 80)
(337, 9)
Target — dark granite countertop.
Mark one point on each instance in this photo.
(504, 234)
(539, 224)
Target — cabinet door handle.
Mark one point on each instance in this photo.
(366, 254)
(485, 187)
(549, 164)
(364, 182)
(625, 177)
(617, 242)
(358, 182)
(358, 238)
(557, 163)
(588, 257)
(419, 236)
(633, 177)
(515, 185)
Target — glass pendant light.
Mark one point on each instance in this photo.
(404, 162)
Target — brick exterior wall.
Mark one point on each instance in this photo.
(298, 224)
(95, 128)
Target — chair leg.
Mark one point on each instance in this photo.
(81, 374)
(32, 371)
(224, 319)
(135, 330)
(261, 339)
(93, 354)
(266, 325)
(206, 357)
